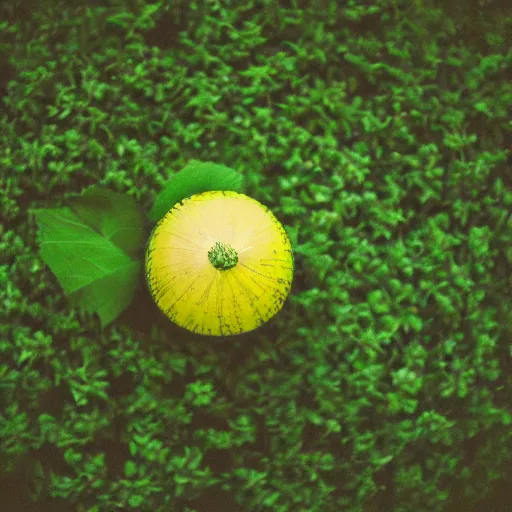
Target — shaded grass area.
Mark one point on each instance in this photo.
(380, 137)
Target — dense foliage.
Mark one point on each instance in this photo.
(380, 135)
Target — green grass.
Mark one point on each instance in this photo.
(380, 137)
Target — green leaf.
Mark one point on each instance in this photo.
(415, 322)
(130, 468)
(114, 215)
(86, 250)
(377, 301)
(111, 294)
(136, 500)
(194, 178)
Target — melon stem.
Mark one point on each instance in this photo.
(222, 256)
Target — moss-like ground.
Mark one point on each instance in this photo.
(379, 133)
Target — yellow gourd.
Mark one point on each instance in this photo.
(219, 263)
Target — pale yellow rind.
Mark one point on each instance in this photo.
(202, 299)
